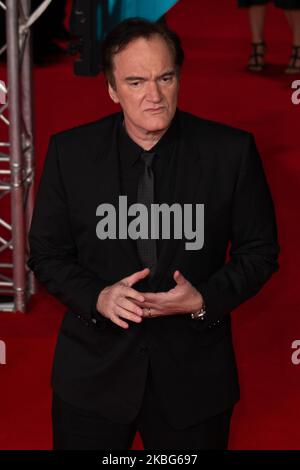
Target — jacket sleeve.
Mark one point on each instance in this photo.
(254, 248)
(53, 254)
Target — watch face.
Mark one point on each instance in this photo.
(198, 315)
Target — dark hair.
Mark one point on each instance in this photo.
(131, 29)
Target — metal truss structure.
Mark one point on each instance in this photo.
(17, 283)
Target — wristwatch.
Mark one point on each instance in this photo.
(200, 314)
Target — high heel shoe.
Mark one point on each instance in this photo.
(256, 60)
(292, 67)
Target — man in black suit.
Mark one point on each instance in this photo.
(146, 341)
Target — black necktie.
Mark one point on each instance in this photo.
(145, 195)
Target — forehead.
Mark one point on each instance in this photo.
(143, 55)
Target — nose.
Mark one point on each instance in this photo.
(153, 92)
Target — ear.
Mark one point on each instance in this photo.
(113, 94)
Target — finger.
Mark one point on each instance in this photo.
(135, 277)
(154, 313)
(179, 278)
(122, 312)
(155, 298)
(147, 305)
(134, 294)
(115, 319)
(130, 306)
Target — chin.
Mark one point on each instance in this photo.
(156, 123)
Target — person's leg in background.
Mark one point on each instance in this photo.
(292, 12)
(76, 429)
(257, 14)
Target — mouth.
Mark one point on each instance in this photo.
(155, 110)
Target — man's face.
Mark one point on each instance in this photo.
(146, 84)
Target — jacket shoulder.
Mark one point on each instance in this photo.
(211, 131)
(85, 132)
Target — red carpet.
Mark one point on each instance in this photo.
(215, 85)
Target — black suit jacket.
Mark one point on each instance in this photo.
(103, 368)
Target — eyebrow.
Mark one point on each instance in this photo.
(133, 78)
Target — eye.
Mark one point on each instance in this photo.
(134, 84)
(166, 79)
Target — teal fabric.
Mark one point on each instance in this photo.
(112, 12)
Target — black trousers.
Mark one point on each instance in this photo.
(76, 429)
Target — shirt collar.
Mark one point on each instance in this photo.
(130, 151)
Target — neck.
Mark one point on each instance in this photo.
(145, 139)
